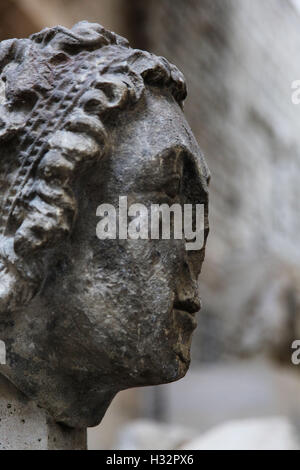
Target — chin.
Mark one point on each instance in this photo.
(178, 365)
(180, 370)
(183, 360)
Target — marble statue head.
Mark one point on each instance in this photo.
(85, 119)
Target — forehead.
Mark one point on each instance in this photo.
(153, 135)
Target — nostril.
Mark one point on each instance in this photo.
(191, 305)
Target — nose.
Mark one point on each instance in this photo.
(186, 294)
(191, 305)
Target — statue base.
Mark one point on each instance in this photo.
(26, 426)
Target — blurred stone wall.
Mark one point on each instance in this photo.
(239, 59)
(20, 18)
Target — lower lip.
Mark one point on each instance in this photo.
(187, 319)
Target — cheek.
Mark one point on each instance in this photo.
(137, 292)
(137, 288)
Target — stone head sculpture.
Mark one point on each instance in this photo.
(85, 119)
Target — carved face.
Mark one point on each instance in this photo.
(114, 314)
(136, 300)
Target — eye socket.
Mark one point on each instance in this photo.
(172, 186)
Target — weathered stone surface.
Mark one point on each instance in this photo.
(86, 119)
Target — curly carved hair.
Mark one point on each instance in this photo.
(54, 87)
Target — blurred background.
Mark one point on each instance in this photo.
(240, 59)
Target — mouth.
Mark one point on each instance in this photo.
(185, 313)
(186, 319)
(185, 359)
